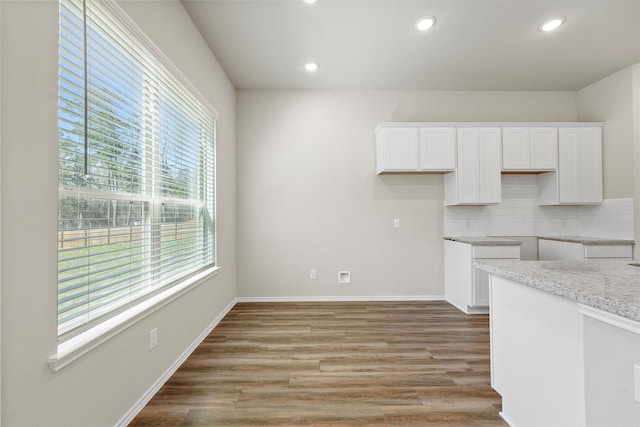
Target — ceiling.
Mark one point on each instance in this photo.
(373, 45)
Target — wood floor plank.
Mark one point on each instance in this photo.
(334, 364)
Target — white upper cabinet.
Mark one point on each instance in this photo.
(415, 149)
(529, 149)
(567, 156)
(437, 149)
(579, 177)
(397, 149)
(590, 160)
(476, 180)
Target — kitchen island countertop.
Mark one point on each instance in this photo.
(609, 285)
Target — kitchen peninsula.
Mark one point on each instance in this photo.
(565, 341)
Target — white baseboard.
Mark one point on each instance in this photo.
(506, 419)
(343, 298)
(146, 397)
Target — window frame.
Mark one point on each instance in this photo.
(74, 342)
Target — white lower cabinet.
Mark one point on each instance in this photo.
(557, 363)
(466, 287)
(555, 250)
(536, 356)
(612, 369)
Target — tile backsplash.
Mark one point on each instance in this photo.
(520, 215)
(613, 219)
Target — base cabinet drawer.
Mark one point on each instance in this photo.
(496, 252)
(607, 251)
(556, 250)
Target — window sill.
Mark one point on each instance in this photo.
(85, 342)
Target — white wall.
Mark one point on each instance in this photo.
(616, 101)
(309, 198)
(102, 386)
(610, 100)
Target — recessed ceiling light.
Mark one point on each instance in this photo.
(311, 66)
(552, 24)
(309, 1)
(424, 23)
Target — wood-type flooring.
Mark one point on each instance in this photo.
(334, 364)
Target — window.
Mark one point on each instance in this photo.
(136, 169)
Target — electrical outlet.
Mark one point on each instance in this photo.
(396, 223)
(344, 277)
(153, 338)
(313, 275)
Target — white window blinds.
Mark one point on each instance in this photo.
(136, 168)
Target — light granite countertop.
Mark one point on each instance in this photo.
(589, 240)
(609, 285)
(484, 241)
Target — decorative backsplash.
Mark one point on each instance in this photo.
(520, 215)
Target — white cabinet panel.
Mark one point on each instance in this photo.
(578, 180)
(559, 363)
(608, 251)
(536, 356)
(437, 149)
(496, 252)
(466, 287)
(569, 170)
(556, 250)
(515, 148)
(415, 149)
(590, 165)
(397, 149)
(543, 148)
(468, 166)
(529, 148)
(480, 295)
(476, 180)
(489, 181)
(610, 355)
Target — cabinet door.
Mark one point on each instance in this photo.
(568, 165)
(399, 149)
(437, 149)
(480, 290)
(468, 166)
(489, 179)
(543, 148)
(515, 148)
(590, 159)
